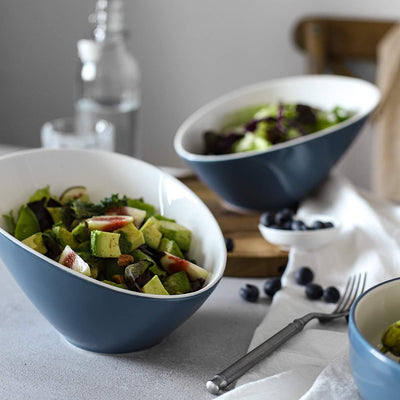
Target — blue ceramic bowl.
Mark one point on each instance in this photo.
(285, 173)
(377, 376)
(88, 313)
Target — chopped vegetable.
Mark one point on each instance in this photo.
(260, 127)
(119, 241)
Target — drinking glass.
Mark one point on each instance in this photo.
(65, 133)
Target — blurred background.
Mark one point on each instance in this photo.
(189, 52)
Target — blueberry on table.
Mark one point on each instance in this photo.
(283, 216)
(267, 218)
(331, 295)
(298, 225)
(272, 285)
(303, 275)
(229, 243)
(249, 292)
(314, 291)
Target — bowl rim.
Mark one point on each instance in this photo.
(234, 94)
(215, 278)
(353, 328)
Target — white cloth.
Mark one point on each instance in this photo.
(314, 364)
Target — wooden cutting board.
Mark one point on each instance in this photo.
(252, 255)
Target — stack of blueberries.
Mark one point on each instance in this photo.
(284, 219)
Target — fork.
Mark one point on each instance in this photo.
(354, 287)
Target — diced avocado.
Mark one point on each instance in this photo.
(27, 223)
(178, 283)
(105, 244)
(81, 232)
(178, 233)
(56, 213)
(169, 246)
(65, 237)
(151, 232)
(154, 286)
(130, 239)
(36, 242)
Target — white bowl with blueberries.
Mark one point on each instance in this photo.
(310, 232)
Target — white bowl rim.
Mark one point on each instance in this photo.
(373, 350)
(208, 285)
(187, 155)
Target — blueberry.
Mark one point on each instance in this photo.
(282, 216)
(272, 285)
(249, 292)
(298, 225)
(267, 218)
(314, 291)
(317, 225)
(303, 275)
(287, 226)
(229, 243)
(331, 295)
(328, 224)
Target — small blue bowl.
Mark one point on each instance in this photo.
(91, 314)
(376, 375)
(284, 174)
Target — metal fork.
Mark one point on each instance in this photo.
(354, 287)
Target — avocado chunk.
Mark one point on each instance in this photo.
(178, 283)
(36, 242)
(27, 223)
(105, 244)
(131, 238)
(151, 232)
(176, 232)
(56, 213)
(169, 246)
(65, 237)
(81, 232)
(154, 286)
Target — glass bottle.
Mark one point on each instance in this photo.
(108, 84)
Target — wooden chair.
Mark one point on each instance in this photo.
(330, 43)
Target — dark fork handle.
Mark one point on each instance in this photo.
(222, 380)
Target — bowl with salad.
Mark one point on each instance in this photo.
(114, 252)
(374, 333)
(268, 145)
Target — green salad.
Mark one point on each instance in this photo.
(260, 127)
(120, 241)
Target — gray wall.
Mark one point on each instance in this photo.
(189, 51)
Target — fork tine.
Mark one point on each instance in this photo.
(355, 286)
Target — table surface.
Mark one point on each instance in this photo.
(37, 363)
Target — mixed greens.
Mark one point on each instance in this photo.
(259, 127)
(119, 240)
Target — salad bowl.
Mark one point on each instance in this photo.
(376, 374)
(282, 174)
(88, 313)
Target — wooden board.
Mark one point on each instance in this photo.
(252, 255)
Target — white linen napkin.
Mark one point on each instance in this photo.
(314, 364)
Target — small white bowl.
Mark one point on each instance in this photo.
(303, 240)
